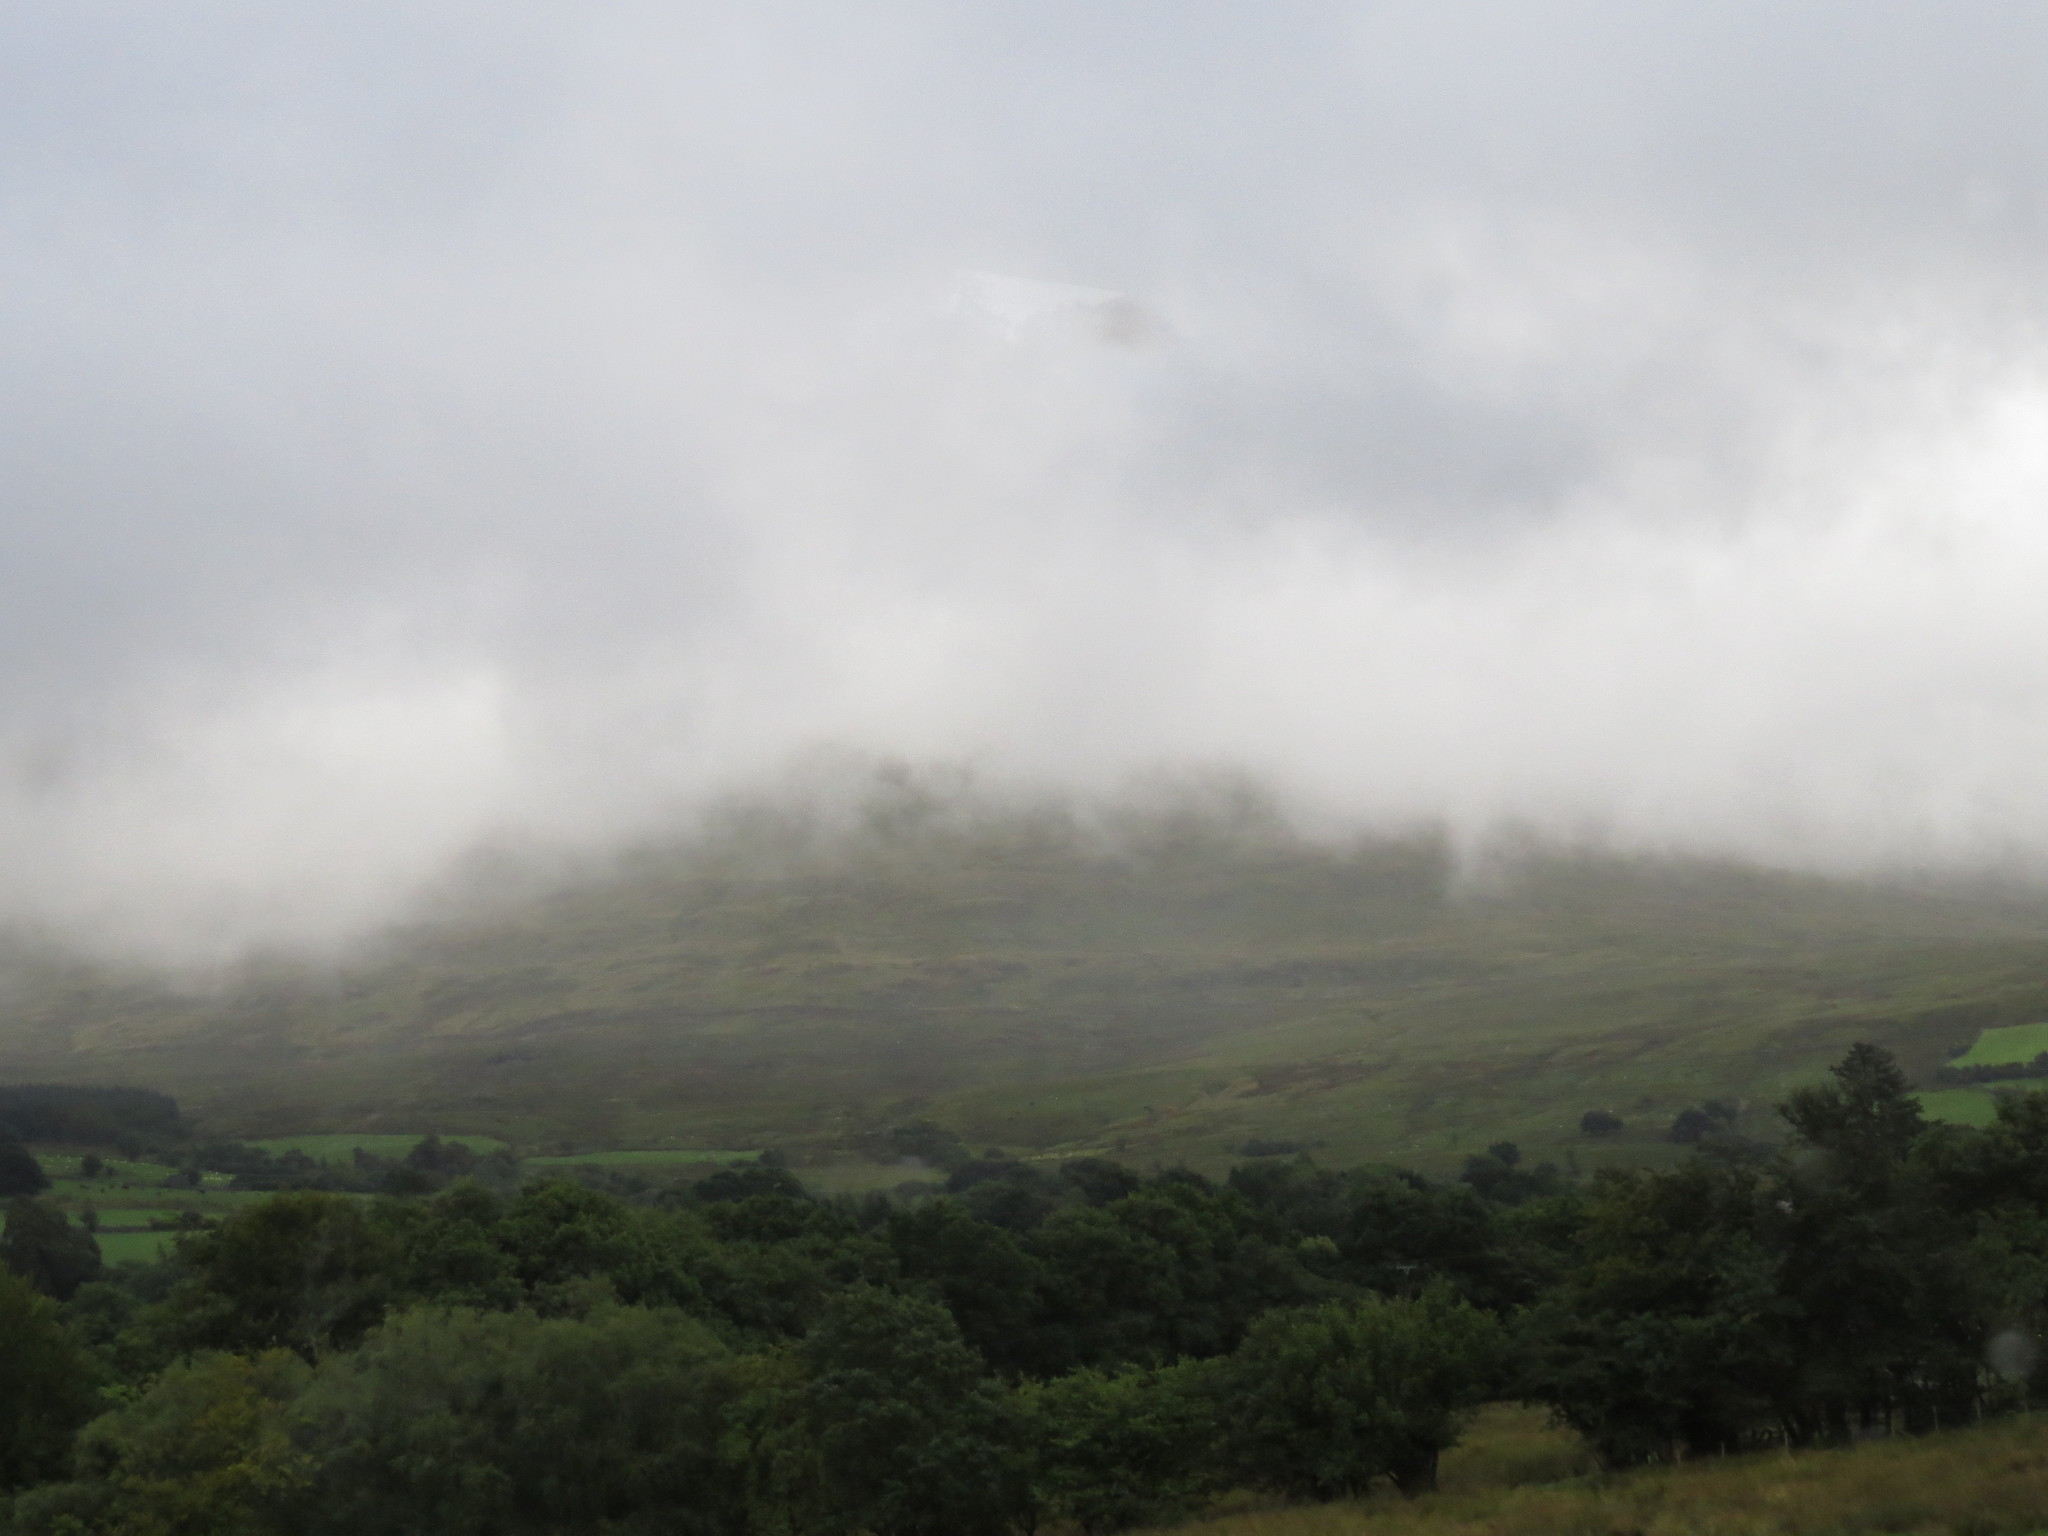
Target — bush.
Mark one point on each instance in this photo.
(1598, 1122)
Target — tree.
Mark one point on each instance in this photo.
(469, 1423)
(1320, 1402)
(881, 1421)
(1692, 1125)
(1600, 1122)
(301, 1271)
(980, 1271)
(20, 1173)
(1668, 1334)
(205, 1451)
(1114, 1451)
(1866, 1120)
(42, 1246)
(47, 1390)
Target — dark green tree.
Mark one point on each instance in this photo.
(46, 1386)
(1866, 1120)
(979, 1271)
(40, 1245)
(1669, 1333)
(1109, 1452)
(301, 1271)
(882, 1421)
(465, 1423)
(20, 1173)
(1321, 1402)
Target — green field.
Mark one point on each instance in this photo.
(337, 1147)
(2013, 1045)
(134, 1247)
(1163, 995)
(646, 1159)
(1960, 1106)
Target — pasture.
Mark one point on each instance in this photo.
(2010, 1045)
(134, 1247)
(1960, 1106)
(650, 1158)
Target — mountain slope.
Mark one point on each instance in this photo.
(1033, 987)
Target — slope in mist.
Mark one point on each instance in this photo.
(1168, 983)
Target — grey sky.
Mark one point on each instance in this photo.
(431, 421)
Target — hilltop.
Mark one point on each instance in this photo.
(1171, 993)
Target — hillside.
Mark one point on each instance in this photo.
(1168, 995)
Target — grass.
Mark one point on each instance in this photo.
(2012, 1045)
(1162, 1000)
(1960, 1106)
(1508, 1445)
(643, 1159)
(338, 1147)
(1989, 1481)
(134, 1247)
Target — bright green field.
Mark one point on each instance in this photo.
(138, 1247)
(655, 1158)
(337, 1147)
(1960, 1106)
(2015, 1045)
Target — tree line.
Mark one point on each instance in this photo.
(1079, 1345)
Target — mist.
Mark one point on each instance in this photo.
(442, 424)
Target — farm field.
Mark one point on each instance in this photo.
(1960, 1106)
(1160, 1002)
(654, 1158)
(2013, 1045)
(134, 1247)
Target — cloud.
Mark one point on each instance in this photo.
(434, 422)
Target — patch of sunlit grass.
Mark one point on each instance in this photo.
(1990, 1481)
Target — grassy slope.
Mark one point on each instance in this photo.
(1991, 1481)
(1026, 988)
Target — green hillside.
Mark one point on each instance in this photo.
(1169, 994)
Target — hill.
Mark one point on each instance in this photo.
(1171, 992)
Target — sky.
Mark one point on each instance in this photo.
(439, 423)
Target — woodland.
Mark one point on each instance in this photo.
(1042, 1344)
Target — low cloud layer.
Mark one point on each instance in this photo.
(439, 422)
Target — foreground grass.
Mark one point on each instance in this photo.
(1989, 1481)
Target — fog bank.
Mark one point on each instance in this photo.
(438, 423)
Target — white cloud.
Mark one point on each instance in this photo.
(438, 419)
